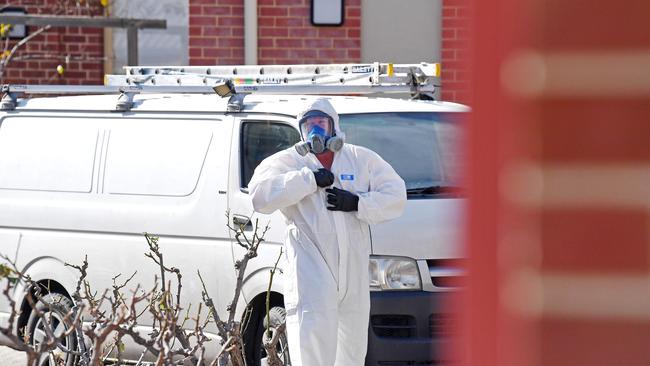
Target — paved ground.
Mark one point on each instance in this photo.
(9, 357)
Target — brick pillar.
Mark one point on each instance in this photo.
(286, 35)
(79, 50)
(216, 32)
(559, 209)
(455, 51)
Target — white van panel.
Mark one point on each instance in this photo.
(56, 227)
(54, 154)
(9, 241)
(155, 158)
(191, 209)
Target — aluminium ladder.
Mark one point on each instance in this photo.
(315, 79)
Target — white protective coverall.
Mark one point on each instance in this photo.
(326, 283)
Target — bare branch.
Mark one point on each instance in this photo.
(268, 295)
(115, 315)
(5, 60)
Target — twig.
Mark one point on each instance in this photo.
(5, 61)
(272, 338)
(268, 294)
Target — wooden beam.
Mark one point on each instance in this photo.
(82, 21)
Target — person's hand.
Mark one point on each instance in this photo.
(342, 200)
(324, 178)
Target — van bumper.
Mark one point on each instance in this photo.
(408, 328)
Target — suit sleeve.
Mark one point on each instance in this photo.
(386, 198)
(276, 184)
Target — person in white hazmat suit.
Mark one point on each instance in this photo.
(329, 192)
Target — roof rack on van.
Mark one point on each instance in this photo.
(343, 79)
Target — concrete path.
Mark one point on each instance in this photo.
(9, 357)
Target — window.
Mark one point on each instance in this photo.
(156, 158)
(327, 12)
(423, 148)
(260, 139)
(47, 154)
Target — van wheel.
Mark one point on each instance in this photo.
(255, 352)
(54, 307)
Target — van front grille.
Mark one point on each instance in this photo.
(394, 326)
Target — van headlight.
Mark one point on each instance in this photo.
(393, 273)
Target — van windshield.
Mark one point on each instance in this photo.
(423, 147)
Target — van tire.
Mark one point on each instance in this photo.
(255, 352)
(58, 308)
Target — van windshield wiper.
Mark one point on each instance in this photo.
(433, 190)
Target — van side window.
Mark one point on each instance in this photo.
(47, 154)
(156, 157)
(260, 139)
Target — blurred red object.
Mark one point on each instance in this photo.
(558, 231)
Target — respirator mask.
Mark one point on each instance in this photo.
(317, 129)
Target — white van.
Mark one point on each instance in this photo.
(78, 178)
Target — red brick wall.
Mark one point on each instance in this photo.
(285, 34)
(36, 61)
(216, 32)
(558, 209)
(455, 51)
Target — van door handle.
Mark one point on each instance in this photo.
(241, 220)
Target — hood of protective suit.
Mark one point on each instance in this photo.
(323, 105)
